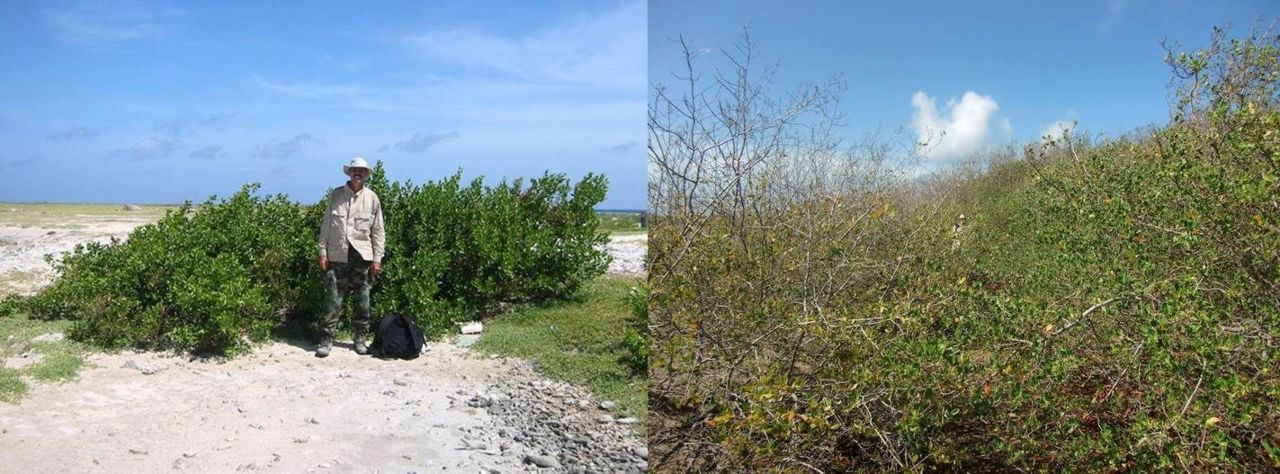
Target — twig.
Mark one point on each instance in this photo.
(1194, 390)
(802, 463)
(1085, 314)
(1121, 377)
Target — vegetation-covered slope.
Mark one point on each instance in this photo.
(1105, 306)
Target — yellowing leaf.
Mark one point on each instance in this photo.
(720, 420)
(1213, 420)
(1048, 328)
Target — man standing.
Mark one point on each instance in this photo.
(351, 245)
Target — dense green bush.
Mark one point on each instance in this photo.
(1108, 306)
(214, 277)
(203, 278)
(455, 250)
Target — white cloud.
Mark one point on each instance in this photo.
(960, 129)
(1055, 129)
(573, 84)
(98, 22)
(604, 50)
(73, 133)
(475, 101)
(210, 152)
(150, 149)
(19, 163)
(188, 127)
(276, 149)
(420, 141)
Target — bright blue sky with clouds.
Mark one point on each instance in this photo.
(147, 101)
(988, 72)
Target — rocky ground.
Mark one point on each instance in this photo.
(280, 409)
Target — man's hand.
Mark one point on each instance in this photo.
(324, 263)
(374, 269)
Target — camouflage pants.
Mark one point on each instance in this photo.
(351, 276)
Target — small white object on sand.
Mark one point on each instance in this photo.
(472, 328)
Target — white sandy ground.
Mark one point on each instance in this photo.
(628, 252)
(23, 269)
(279, 409)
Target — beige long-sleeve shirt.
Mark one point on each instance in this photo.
(352, 220)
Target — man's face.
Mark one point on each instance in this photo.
(358, 175)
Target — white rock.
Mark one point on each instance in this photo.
(51, 337)
(146, 370)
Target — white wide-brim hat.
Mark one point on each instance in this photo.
(357, 162)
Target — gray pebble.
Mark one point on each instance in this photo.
(541, 461)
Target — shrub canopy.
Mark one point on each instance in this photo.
(214, 277)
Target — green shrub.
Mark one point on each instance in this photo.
(219, 276)
(206, 279)
(454, 251)
(635, 338)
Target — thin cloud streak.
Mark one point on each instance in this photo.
(284, 149)
(595, 51)
(97, 22)
(73, 133)
(188, 127)
(420, 141)
(19, 163)
(152, 148)
(210, 152)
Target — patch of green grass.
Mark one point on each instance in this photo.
(11, 387)
(579, 342)
(61, 361)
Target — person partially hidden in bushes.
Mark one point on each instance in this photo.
(351, 244)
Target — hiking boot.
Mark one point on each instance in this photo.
(361, 347)
(325, 346)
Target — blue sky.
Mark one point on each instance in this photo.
(987, 73)
(144, 101)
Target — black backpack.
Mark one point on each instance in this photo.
(398, 337)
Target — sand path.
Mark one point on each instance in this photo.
(279, 409)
